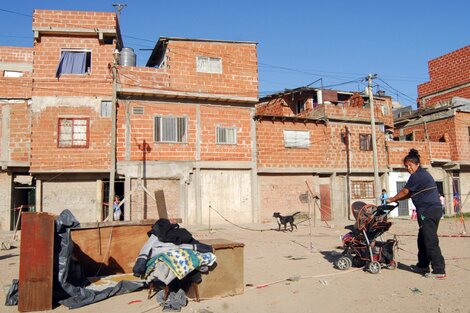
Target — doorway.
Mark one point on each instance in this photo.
(24, 200)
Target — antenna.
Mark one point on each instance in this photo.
(119, 7)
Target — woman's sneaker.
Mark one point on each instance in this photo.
(435, 276)
(420, 270)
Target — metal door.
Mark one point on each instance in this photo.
(403, 206)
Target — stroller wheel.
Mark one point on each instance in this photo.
(374, 267)
(343, 263)
(392, 265)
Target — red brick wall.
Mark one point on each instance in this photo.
(142, 130)
(16, 54)
(74, 19)
(453, 131)
(397, 150)
(239, 75)
(20, 128)
(211, 116)
(16, 87)
(47, 52)
(325, 152)
(446, 71)
(45, 155)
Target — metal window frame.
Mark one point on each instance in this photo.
(217, 139)
(73, 119)
(209, 59)
(160, 131)
(294, 145)
(87, 51)
(361, 186)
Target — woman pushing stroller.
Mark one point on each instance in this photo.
(422, 190)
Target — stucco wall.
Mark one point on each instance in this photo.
(77, 196)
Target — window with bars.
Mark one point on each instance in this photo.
(170, 129)
(365, 142)
(73, 133)
(296, 139)
(208, 65)
(362, 189)
(106, 108)
(226, 135)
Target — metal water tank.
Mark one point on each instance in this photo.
(127, 57)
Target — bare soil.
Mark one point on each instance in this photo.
(283, 274)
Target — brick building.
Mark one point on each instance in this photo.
(441, 125)
(319, 139)
(16, 66)
(192, 138)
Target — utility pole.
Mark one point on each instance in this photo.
(119, 7)
(370, 77)
(112, 152)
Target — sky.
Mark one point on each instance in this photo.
(334, 44)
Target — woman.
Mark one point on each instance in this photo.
(422, 190)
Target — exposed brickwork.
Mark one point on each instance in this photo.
(20, 128)
(326, 151)
(142, 129)
(74, 19)
(16, 54)
(445, 72)
(45, 155)
(237, 78)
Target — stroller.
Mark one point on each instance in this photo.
(360, 245)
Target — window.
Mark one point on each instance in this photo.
(138, 110)
(170, 129)
(12, 74)
(209, 65)
(300, 107)
(468, 133)
(365, 142)
(296, 139)
(106, 107)
(362, 189)
(74, 62)
(73, 132)
(226, 135)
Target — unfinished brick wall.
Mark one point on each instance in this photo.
(225, 116)
(20, 130)
(73, 94)
(453, 131)
(326, 150)
(239, 75)
(45, 153)
(211, 116)
(47, 53)
(445, 72)
(15, 87)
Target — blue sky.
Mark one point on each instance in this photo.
(299, 41)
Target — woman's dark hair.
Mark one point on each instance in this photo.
(413, 156)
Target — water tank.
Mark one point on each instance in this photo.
(127, 57)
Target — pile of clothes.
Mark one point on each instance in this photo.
(171, 256)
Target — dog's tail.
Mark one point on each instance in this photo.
(296, 213)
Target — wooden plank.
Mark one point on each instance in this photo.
(36, 262)
(109, 250)
(161, 204)
(325, 202)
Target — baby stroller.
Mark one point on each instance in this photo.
(360, 245)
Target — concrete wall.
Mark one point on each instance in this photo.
(228, 192)
(5, 200)
(77, 196)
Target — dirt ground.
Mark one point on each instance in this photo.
(291, 277)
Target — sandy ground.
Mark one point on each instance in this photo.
(272, 258)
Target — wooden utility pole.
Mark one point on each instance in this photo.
(374, 138)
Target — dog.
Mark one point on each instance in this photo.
(283, 220)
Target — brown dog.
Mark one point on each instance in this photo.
(283, 220)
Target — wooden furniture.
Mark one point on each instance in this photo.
(227, 277)
(36, 262)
